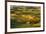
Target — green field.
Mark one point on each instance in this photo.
(25, 16)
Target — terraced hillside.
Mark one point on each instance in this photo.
(25, 16)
